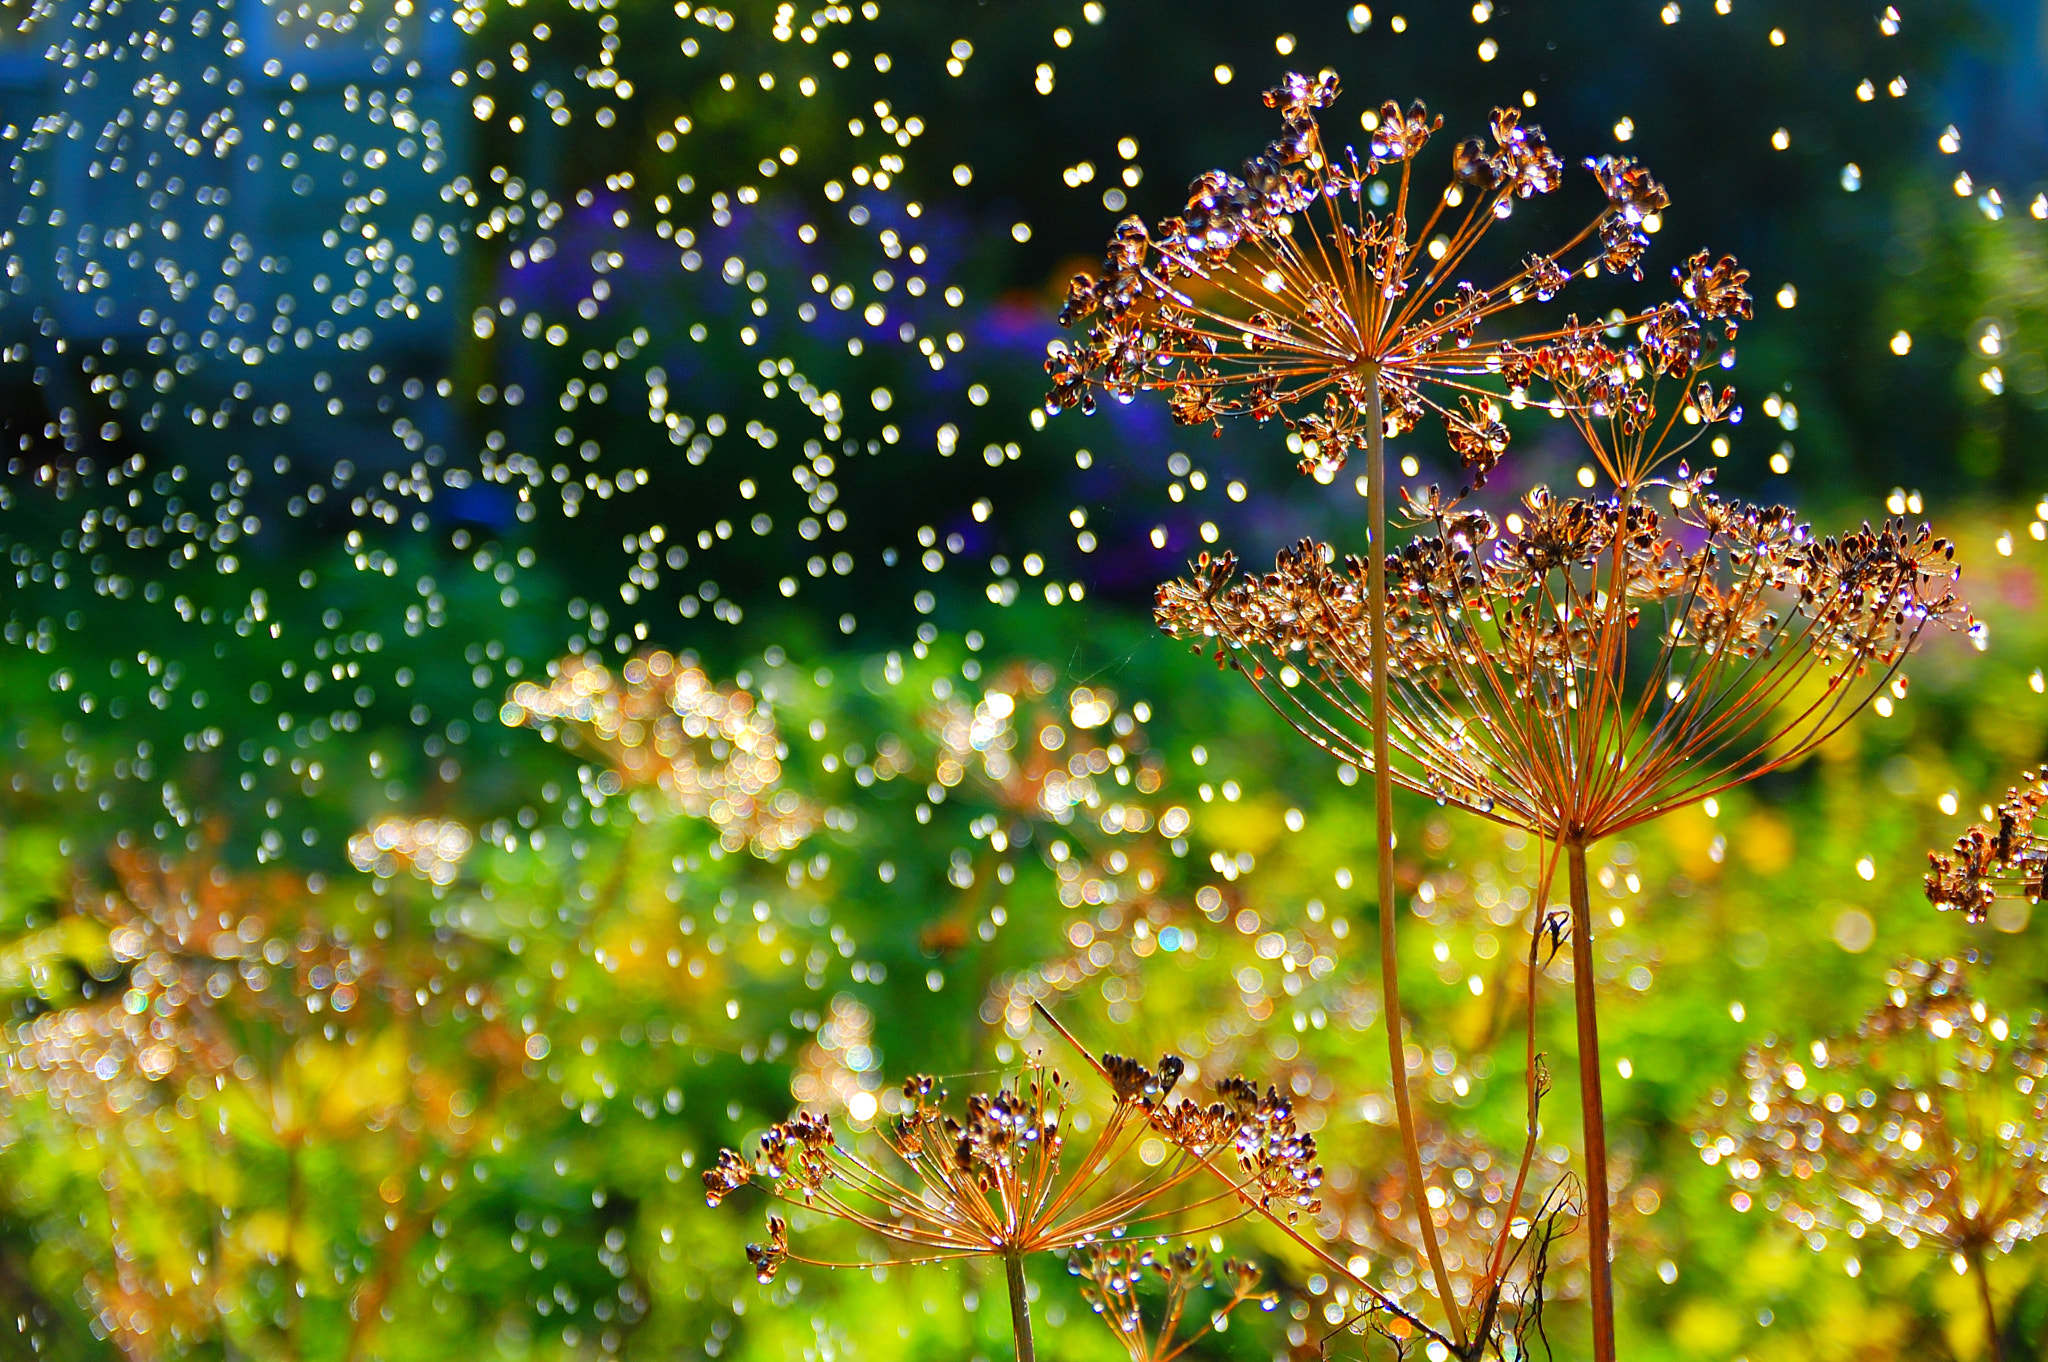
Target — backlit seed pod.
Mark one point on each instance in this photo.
(1282, 292)
(661, 722)
(1113, 1277)
(1593, 663)
(2005, 859)
(1928, 1125)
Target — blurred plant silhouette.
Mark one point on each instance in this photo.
(1926, 1125)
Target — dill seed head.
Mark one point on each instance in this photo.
(2005, 858)
(1285, 290)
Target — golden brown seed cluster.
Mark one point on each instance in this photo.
(202, 952)
(1496, 1216)
(839, 1064)
(660, 721)
(2004, 859)
(1114, 1274)
(431, 848)
(1078, 759)
(223, 1025)
(1591, 663)
(1287, 290)
(997, 1179)
(1928, 1124)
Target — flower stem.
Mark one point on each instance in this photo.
(1591, 1110)
(1994, 1345)
(1383, 808)
(1020, 1307)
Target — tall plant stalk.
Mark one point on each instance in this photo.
(1299, 291)
(1020, 1306)
(1608, 693)
(1592, 1112)
(1383, 810)
(1994, 1345)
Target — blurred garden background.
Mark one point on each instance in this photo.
(407, 403)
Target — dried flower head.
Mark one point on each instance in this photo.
(1610, 376)
(995, 1179)
(1274, 1158)
(187, 956)
(431, 848)
(1076, 758)
(660, 721)
(1290, 289)
(839, 1064)
(1929, 1124)
(1591, 664)
(194, 1019)
(1080, 758)
(1113, 1274)
(2004, 859)
(1252, 1144)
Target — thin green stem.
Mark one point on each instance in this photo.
(1383, 809)
(1020, 1306)
(1592, 1112)
(294, 1211)
(1994, 1345)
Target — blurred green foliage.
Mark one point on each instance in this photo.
(494, 1150)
